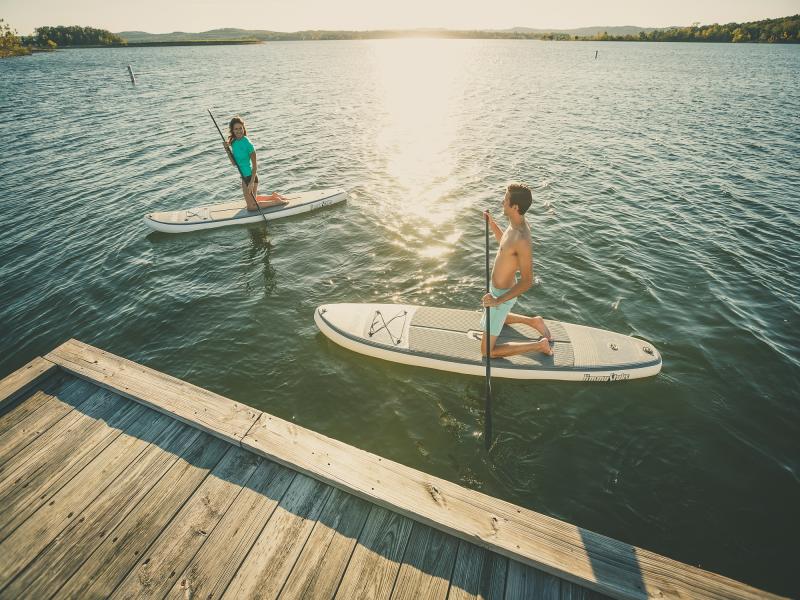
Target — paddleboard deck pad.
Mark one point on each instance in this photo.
(236, 213)
(450, 340)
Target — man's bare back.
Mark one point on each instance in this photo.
(508, 262)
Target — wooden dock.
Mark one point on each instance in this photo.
(119, 481)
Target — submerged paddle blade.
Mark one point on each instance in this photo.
(487, 433)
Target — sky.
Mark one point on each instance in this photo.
(163, 16)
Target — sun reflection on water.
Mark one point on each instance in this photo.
(419, 85)
(418, 94)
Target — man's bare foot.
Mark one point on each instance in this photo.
(544, 347)
(539, 325)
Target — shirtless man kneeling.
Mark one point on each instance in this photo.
(515, 255)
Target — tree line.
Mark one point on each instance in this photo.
(323, 35)
(50, 38)
(785, 30)
(782, 30)
(73, 35)
(10, 42)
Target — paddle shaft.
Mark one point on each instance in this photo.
(487, 434)
(238, 168)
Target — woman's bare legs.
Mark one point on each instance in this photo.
(272, 200)
(265, 202)
(248, 197)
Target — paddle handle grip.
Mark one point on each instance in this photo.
(221, 135)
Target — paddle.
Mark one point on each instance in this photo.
(487, 433)
(238, 168)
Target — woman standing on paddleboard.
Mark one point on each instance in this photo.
(242, 153)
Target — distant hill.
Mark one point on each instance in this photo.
(182, 36)
(782, 30)
(587, 31)
(267, 35)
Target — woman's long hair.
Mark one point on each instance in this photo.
(234, 121)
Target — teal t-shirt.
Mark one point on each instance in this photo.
(241, 154)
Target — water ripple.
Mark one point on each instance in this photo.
(666, 182)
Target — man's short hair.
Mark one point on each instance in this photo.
(519, 195)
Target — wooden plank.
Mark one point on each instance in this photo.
(583, 557)
(49, 448)
(274, 553)
(373, 568)
(526, 582)
(60, 402)
(171, 552)
(321, 564)
(17, 383)
(200, 408)
(561, 549)
(214, 566)
(32, 399)
(67, 552)
(64, 451)
(32, 536)
(427, 565)
(121, 547)
(571, 591)
(478, 574)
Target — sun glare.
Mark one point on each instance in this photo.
(417, 82)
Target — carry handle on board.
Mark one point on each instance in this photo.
(238, 168)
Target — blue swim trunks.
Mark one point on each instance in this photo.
(497, 314)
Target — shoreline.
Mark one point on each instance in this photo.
(189, 43)
(358, 39)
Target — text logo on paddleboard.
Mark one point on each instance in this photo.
(612, 377)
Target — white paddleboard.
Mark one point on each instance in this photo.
(450, 340)
(236, 213)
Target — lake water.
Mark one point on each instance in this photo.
(666, 205)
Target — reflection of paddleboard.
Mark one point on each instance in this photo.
(235, 213)
(450, 340)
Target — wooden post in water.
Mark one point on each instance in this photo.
(130, 71)
(595, 54)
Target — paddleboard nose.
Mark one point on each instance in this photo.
(646, 353)
(344, 317)
(648, 350)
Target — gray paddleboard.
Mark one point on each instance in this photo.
(449, 339)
